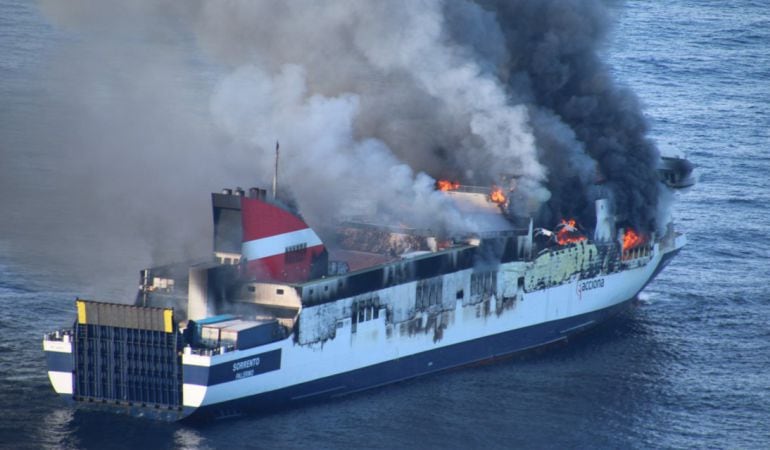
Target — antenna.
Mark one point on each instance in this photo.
(275, 174)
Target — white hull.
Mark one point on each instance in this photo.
(376, 341)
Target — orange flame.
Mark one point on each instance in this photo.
(631, 239)
(569, 233)
(446, 185)
(496, 195)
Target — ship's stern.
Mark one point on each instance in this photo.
(122, 358)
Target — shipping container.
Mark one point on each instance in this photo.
(215, 319)
(210, 334)
(194, 327)
(249, 334)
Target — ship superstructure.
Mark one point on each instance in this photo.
(277, 317)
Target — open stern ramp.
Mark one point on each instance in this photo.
(128, 356)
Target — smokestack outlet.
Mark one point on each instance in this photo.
(604, 221)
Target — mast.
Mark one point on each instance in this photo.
(275, 174)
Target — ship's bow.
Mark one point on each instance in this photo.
(58, 356)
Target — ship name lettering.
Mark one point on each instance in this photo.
(591, 284)
(249, 363)
(244, 374)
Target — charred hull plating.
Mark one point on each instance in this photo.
(462, 354)
(298, 322)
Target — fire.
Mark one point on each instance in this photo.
(497, 196)
(631, 239)
(446, 185)
(568, 232)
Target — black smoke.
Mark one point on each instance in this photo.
(553, 62)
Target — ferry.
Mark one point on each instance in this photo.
(276, 317)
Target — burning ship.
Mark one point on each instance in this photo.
(276, 317)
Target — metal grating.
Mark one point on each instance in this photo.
(128, 366)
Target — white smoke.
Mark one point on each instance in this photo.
(370, 100)
(345, 133)
(326, 168)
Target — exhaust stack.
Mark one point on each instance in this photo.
(605, 222)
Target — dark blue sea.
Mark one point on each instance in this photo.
(687, 367)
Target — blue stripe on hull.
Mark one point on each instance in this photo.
(464, 353)
(233, 370)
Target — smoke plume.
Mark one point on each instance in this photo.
(553, 57)
(466, 90)
(370, 100)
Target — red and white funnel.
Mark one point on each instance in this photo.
(278, 245)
